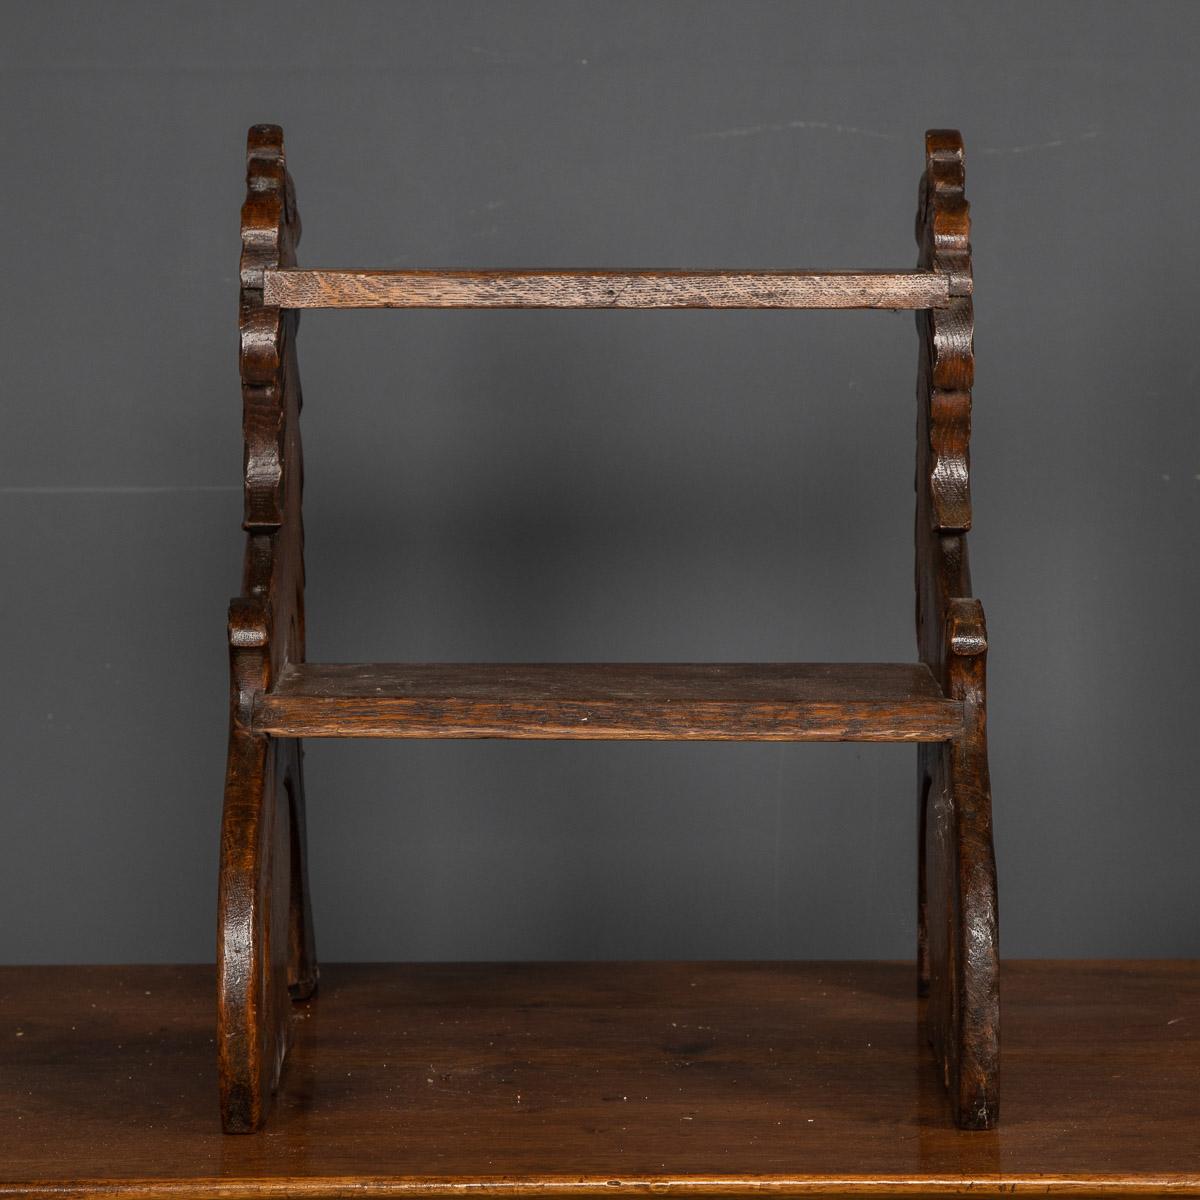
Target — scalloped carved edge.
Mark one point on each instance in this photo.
(944, 236)
(270, 217)
(264, 945)
(270, 235)
(957, 907)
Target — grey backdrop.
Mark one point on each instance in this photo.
(545, 486)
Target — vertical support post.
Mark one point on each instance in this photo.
(302, 953)
(957, 939)
(264, 926)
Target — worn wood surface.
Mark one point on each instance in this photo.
(958, 924)
(265, 946)
(593, 1079)
(296, 288)
(265, 952)
(898, 702)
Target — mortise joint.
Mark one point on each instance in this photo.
(960, 283)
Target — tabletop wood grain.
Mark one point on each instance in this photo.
(592, 1079)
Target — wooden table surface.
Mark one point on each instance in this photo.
(587, 1079)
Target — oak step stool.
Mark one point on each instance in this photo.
(265, 943)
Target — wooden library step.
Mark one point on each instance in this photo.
(896, 702)
(266, 954)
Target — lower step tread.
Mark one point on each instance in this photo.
(891, 702)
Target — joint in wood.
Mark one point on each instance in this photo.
(966, 629)
(249, 624)
(277, 697)
(960, 283)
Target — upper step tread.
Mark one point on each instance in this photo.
(297, 287)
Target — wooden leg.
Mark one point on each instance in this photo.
(302, 956)
(924, 779)
(964, 1012)
(254, 927)
(264, 933)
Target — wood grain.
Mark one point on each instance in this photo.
(589, 1079)
(265, 946)
(641, 701)
(295, 288)
(265, 950)
(957, 908)
(270, 234)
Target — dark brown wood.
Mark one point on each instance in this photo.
(958, 952)
(893, 702)
(295, 288)
(589, 1079)
(265, 948)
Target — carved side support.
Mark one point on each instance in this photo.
(264, 939)
(958, 963)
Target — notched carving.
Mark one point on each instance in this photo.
(952, 345)
(261, 335)
(967, 629)
(264, 433)
(957, 941)
(943, 235)
(248, 623)
(265, 939)
(949, 471)
(270, 218)
(270, 232)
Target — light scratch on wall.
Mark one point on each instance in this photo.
(116, 490)
(785, 126)
(1051, 145)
